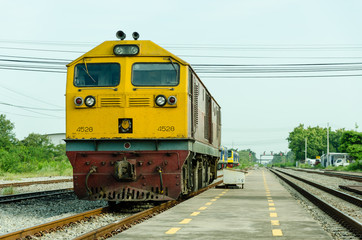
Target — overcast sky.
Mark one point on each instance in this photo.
(296, 50)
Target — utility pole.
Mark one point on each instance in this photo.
(306, 147)
(327, 139)
(327, 144)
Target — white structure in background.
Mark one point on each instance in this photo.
(310, 161)
(233, 177)
(56, 138)
(334, 159)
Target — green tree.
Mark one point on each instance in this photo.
(7, 136)
(335, 140)
(284, 159)
(36, 140)
(296, 141)
(351, 143)
(246, 158)
(316, 141)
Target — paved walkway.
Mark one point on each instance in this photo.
(262, 210)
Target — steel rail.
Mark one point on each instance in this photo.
(118, 227)
(351, 188)
(32, 195)
(349, 198)
(344, 175)
(52, 226)
(333, 174)
(21, 184)
(350, 223)
(39, 230)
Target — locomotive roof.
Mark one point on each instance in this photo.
(147, 49)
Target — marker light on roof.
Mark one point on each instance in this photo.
(126, 50)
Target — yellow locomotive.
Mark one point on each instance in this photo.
(233, 158)
(223, 161)
(140, 125)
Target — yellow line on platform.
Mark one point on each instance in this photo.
(277, 232)
(213, 200)
(186, 221)
(272, 209)
(195, 213)
(202, 208)
(172, 230)
(275, 222)
(208, 203)
(273, 214)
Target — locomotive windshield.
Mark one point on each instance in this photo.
(97, 75)
(155, 74)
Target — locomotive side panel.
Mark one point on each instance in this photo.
(204, 114)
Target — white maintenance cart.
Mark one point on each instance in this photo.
(233, 178)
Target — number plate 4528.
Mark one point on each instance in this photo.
(166, 128)
(85, 129)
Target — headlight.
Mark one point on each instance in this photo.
(172, 100)
(78, 101)
(126, 50)
(90, 101)
(160, 100)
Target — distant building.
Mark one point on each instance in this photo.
(56, 138)
(331, 159)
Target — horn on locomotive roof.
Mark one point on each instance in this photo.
(121, 35)
(135, 35)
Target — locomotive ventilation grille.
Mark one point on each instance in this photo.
(139, 102)
(127, 194)
(111, 102)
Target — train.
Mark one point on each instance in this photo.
(140, 124)
(233, 158)
(223, 158)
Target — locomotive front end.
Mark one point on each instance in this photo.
(126, 122)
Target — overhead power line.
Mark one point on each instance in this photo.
(30, 97)
(33, 108)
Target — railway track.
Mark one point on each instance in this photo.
(337, 214)
(352, 177)
(22, 184)
(32, 195)
(105, 231)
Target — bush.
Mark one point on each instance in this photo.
(22, 159)
(356, 166)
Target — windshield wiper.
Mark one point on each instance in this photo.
(174, 67)
(86, 71)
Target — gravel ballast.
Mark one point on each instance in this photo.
(328, 224)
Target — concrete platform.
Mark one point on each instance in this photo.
(262, 210)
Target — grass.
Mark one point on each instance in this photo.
(49, 169)
(19, 176)
(353, 167)
(8, 191)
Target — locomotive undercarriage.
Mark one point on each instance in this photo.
(140, 175)
(198, 171)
